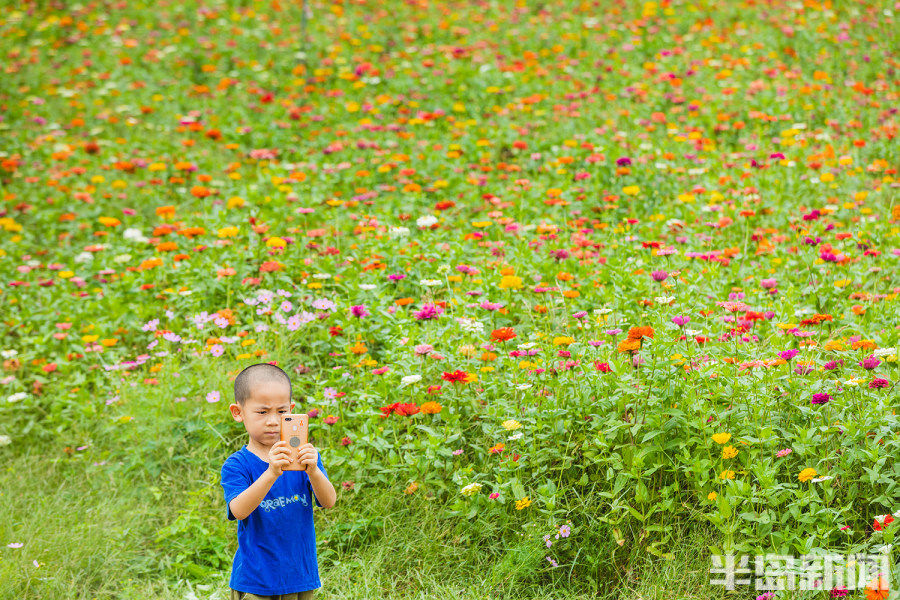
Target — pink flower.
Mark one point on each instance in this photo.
(784, 452)
(870, 362)
(423, 349)
(330, 420)
(494, 495)
(878, 382)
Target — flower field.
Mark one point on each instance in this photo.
(580, 276)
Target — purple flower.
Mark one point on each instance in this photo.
(564, 531)
(831, 365)
(623, 162)
(803, 369)
(294, 322)
(788, 354)
(680, 321)
(659, 275)
(613, 331)
(359, 310)
(870, 362)
(820, 398)
(580, 314)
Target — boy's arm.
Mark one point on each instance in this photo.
(246, 502)
(322, 488)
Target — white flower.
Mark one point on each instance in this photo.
(134, 234)
(664, 299)
(367, 286)
(409, 380)
(430, 282)
(321, 275)
(443, 269)
(398, 231)
(515, 436)
(17, 396)
(426, 221)
(5, 440)
(470, 489)
(122, 258)
(821, 479)
(523, 386)
(9, 353)
(84, 257)
(470, 325)
(884, 351)
(526, 345)
(693, 331)
(602, 311)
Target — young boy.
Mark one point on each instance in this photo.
(276, 555)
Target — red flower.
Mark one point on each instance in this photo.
(602, 367)
(49, 368)
(336, 330)
(454, 376)
(407, 410)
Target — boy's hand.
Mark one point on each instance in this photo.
(309, 457)
(279, 457)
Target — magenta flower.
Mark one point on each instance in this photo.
(659, 275)
(788, 354)
(429, 311)
(359, 310)
(680, 321)
(870, 362)
(831, 365)
(396, 276)
(820, 398)
(878, 382)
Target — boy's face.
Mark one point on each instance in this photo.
(261, 414)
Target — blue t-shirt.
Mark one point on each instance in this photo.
(277, 541)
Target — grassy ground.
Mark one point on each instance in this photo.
(94, 538)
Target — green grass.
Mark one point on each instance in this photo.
(94, 536)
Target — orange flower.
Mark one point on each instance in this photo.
(166, 246)
(864, 344)
(540, 308)
(403, 301)
(498, 448)
(503, 334)
(630, 345)
(270, 265)
(877, 590)
(190, 232)
(430, 408)
(165, 211)
(637, 333)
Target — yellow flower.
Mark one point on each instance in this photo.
(511, 424)
(721, 438)
(631, 190)
(227, 232)
(729, 452)
(235, 201)
(806, 474)
(520, 504)
(712, 496)
(471, 378)
(411, 488)
(726, 474)
(109, 221)
(276, 242)
(87, 339)
(511, 282)
(563, 340)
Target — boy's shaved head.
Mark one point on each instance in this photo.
(257, 374)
